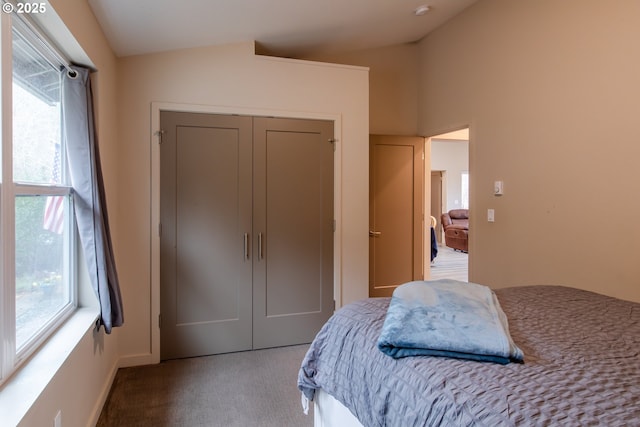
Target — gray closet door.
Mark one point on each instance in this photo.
(293, 230)
(247, 232)
(206, 295)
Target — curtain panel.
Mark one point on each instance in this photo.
(79, 137)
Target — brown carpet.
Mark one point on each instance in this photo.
(252, 388)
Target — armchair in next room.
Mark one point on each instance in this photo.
(455, 224)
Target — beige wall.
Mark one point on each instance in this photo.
(232, 78)
(79, 387)
(550, 90)
(393, 83)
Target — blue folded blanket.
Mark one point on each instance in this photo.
(447, 318)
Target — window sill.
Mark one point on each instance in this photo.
(22, 390)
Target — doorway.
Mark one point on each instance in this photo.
(450, 171)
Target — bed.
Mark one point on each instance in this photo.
(581, 367)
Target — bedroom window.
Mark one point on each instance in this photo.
(38, 239)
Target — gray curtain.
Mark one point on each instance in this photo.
(78, 133)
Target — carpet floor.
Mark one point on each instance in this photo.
(251, 388)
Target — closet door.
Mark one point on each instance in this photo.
(293, 230)
(205, 212)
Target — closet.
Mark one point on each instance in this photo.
(246, 248)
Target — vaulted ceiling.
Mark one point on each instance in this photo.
(289, 28)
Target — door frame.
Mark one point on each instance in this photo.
(155, 137)
(440, 202)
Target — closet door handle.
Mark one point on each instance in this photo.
(260, 254)
(246, 246)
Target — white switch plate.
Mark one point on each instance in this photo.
(491, 215)
(498, 188)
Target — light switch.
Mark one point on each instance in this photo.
(498, 188)
(491, 215)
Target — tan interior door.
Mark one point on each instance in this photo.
(395, 212)
(205, 212)
(293, 230)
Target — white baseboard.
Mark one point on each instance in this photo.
(123, 362)
(136, 360)
(104, 394)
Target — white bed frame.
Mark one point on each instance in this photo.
(328, 412)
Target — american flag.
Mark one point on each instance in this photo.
(54, 206)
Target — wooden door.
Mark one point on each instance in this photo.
(293, 230)
(395, 212)
(205, 212)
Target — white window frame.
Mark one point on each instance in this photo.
(10, 357)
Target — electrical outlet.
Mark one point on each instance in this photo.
(57, 421)
(491, 215)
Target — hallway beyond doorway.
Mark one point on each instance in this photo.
(450, 264)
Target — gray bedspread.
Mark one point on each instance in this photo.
(582, 367)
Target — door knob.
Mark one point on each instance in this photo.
(374, 233)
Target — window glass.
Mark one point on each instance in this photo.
(42, 275)
(36, 116)
(464, 190)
